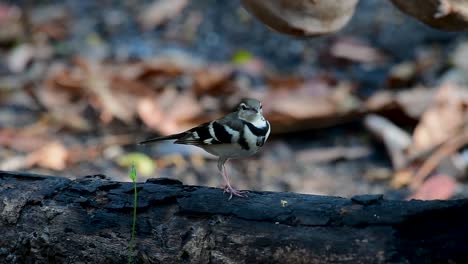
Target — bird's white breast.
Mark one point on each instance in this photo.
(259, 121)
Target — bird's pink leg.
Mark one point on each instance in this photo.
(228, 188)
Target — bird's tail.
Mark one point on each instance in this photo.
(175, 136)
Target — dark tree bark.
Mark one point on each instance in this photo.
(57, 220)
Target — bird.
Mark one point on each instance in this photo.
(239, 134)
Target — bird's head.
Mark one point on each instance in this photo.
(249, 109)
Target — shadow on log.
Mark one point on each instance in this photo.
(57, 220)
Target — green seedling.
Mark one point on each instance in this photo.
(133, 177)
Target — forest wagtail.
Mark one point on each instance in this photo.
(239, 134)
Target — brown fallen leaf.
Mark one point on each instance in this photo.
(50, 20)
(60, 102)
(10, 23)
(413, 102)
(53, 156)
(287, 82)
(160, 11)
(170, 112)
(356, 50)
(67, 82)
(111, 103)
(445, 150)
(212, 80)
(23, 140)
(131, 88)
(316, 103)
(380, 101)
(437, 187)
(78, 153)
(184, 108)
(150, 112)
(153, 70)
(299, 107)
(441, 132)
(446, 114)
(93, 84)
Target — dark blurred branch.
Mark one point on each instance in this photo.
(35, 72)
(320, 17)
(25, 6)
(449, 15)
(303, 17)
(447, 148)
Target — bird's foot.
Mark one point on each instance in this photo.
(233, 192)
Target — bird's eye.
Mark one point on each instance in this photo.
(261, 106)
(244, 107)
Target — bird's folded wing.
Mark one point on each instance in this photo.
(222, 131)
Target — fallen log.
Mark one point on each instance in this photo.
(57, 220)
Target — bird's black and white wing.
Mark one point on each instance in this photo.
(221, 131)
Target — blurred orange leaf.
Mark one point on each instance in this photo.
(160, 11)
(53, 156)
(308, 105)
(437, 187)
(21, 140)
(170, 113)
(357, 50)
(211, 80)
(150, 112)
(447, 114)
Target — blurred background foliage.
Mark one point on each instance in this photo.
(379, 107)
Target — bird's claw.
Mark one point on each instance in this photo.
(234, 192)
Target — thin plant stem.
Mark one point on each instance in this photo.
(135, 200)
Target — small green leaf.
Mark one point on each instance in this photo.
(93, 39)
(241, 57)
(143, 163)
(133, 173)
(284, 203)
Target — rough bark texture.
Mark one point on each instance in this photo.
(57, 220)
